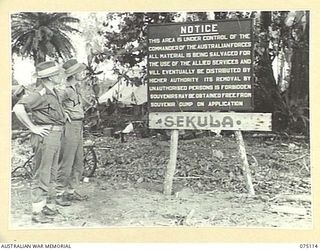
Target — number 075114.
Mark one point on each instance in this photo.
(308, 246)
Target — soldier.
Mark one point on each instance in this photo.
(46, 128)
(71, 157)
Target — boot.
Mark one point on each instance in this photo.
(62, 200)
(75, 196)
(48, 211)
(41, 218)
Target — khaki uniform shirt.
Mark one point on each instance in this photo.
(45, 107)
(72, 102)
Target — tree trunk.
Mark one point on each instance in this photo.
(270, 98)
(299, 81)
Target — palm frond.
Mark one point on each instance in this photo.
(38, 34)
(62, 45)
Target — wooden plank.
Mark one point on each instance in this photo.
(244, 161)
(295, 197)
(171, 167)
(211, 121)
(288, 210)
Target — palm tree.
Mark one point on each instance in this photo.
(41, 34)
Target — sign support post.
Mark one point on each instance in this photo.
(244, 161)
(171, 167)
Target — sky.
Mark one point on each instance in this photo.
(23, 68)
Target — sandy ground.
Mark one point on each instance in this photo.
(123, 204)
(219, 200)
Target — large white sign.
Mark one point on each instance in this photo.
(211, 121)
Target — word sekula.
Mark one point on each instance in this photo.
(197, 122)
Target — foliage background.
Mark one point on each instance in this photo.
(113, 46)
(150, 234)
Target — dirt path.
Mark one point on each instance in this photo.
(124, 204)
(209, 188)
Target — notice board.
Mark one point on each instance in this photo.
(202, 66)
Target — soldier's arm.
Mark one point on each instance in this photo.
(22, 115)
(85, 100)
(63, 93)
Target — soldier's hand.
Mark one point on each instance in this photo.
(68, 118)
(41, 130)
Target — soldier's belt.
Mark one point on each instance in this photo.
(77, 119)
(56, 127)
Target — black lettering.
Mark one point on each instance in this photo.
(227, 121)
(179, 121)
(190, 122)
(215, 123)
(204, 122)
(168, 121)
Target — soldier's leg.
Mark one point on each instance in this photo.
(45, 151)
(66, 159)
(66, 162)
(77, 168)
(54, 168)
(77, 171)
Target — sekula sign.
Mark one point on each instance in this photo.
(211, 121)
(200, 66)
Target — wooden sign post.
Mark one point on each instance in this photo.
(245, 164)
(200, 77)
(207, 121)
(171, 167)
